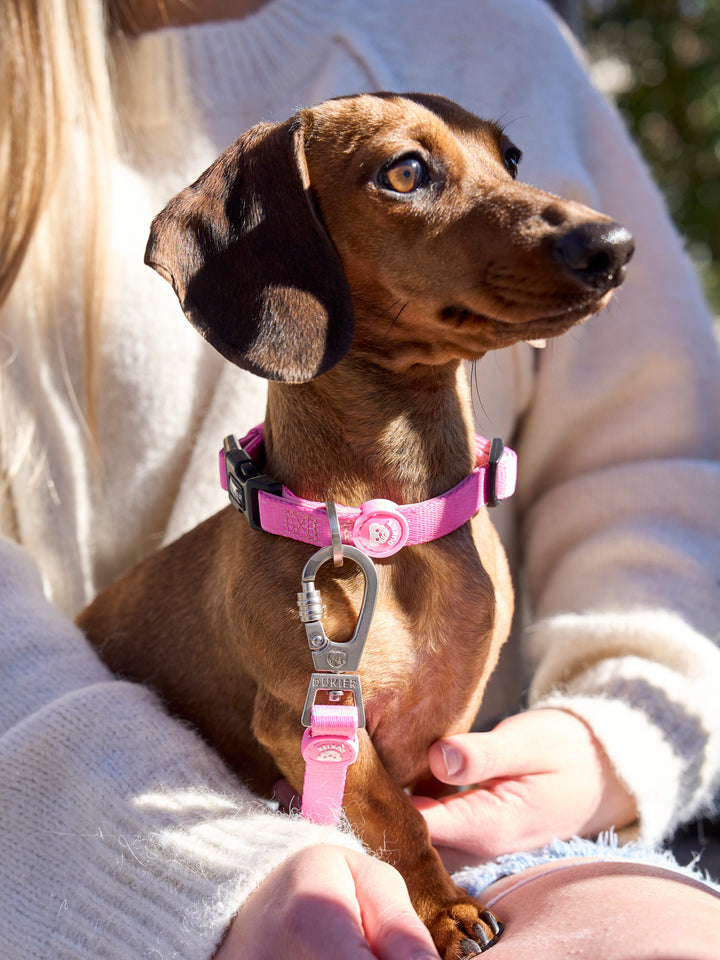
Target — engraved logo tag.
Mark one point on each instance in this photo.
(337, 659)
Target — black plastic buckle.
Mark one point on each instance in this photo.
(244, 481)
(497, 448)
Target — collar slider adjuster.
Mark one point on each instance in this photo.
(497, 449)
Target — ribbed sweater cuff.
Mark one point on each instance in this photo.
(657, 721)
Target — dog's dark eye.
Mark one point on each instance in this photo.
(404, 175)
(512, 158)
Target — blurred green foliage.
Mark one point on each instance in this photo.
(660, 59)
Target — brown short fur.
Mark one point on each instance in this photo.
(295, 256)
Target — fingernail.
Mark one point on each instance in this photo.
(452, 758)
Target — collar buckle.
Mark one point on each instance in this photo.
(243, 480)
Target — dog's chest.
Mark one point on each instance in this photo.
(430, 647)
(418, 689)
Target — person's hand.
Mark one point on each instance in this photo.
(329, 903)
(538, 775)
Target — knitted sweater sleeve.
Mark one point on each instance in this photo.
(620, 486)
(122, 835)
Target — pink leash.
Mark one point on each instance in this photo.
(329, 746)
(330, 742)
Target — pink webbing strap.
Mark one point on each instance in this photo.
(329, 746)
(379, 527)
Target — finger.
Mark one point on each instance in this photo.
(521, 745)
(306, 909)
(488, 822)
(478, 757)
(326, 903)
(392, 928)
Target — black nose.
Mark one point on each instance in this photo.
(596, 254)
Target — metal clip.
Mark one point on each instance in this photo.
(335, 537)
(327, 654)
(333, 683)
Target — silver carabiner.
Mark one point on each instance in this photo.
(327, 654)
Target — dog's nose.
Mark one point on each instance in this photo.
(597, 254)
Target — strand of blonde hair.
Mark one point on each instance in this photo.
(55, 91)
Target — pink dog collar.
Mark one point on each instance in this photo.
(378, 527)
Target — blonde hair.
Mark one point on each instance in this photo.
(56, 127)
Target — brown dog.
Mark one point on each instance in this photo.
(353, 256)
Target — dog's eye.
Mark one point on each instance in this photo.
(404, 175)
(512, 158)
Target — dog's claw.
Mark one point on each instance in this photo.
(492, 922)
(464, 930)
(481, 936)
(470, 949)
(483, 940)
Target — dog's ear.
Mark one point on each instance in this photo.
(251, 263)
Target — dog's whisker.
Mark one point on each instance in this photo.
(395, 318)
(475, 391)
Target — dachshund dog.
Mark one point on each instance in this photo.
(353, 256)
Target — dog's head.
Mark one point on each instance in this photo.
(394, 222)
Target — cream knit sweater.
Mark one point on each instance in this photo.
(122, 836)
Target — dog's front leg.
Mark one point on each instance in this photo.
(383, 816)
(392, 828)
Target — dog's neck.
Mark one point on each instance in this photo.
(358, 433)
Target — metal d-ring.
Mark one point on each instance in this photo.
(335, 535)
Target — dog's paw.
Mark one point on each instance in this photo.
(464, 930)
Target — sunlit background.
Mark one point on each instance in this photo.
(660, 61)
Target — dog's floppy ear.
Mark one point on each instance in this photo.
(251, 263)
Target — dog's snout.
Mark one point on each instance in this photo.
(596, 254)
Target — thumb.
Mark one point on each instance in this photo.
(392, 927)
(514, 748)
